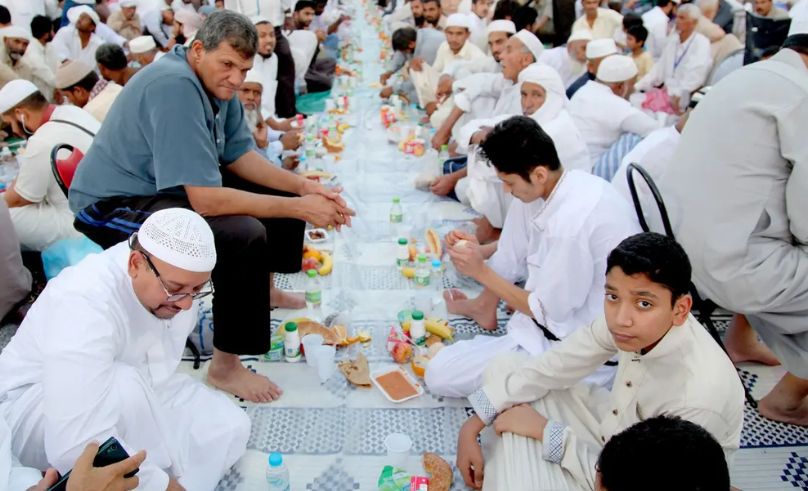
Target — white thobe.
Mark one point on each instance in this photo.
(23, 11)
(479, 31)
(13, 476)
(90, 362)
(402, 15)
(40, 62)
(737, 200)
(67, 46)
(153, 22)
(273, 10)
(683, 67)
(656, 21)
(560, 250)
(568, 68)
(606, 22)
(602, 117)
(686, 375)
(267, 70)
(426, 81)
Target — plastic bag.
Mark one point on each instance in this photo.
(67, 252)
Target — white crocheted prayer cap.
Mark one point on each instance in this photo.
(179, 237)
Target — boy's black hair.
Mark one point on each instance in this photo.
(640, 33)
(631, 19)
(403, 37)
(663, 453)
(524, 16)
(505, 9)
(663, 3)
(658, 257)
(301, 4)
(5, 15)
(428, 1)
(40, 25)
(518, 145)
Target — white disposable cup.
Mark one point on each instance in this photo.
(311, 343)
(398, 447)
(324, 356)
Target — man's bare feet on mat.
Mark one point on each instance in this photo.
(226, 372)
(458, 303)
(787, 402)
(743, 344)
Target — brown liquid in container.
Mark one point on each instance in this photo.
(396, 385)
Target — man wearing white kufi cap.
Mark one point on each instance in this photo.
(596, 50)
(737, 199)
(478, 22)
(98, 356)
(39, 208)
(497, 34)
(570, 60)
(143, 49)
(126, 21)
(15, 42)
(80, 39)
(601, 111)
(81, 85)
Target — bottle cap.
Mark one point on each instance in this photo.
(290, 327)
(436, 263)
(396, 200)
(275, 459)
(311, 273)
(403, 241)
(421, 258)
(417, 315)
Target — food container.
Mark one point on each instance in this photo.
(396, 384)
(316, 235)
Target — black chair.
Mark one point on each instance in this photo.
(704, 307)
(763, 36)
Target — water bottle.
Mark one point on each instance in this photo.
(437, 275)
(396, 212)
(422, 272)
(277, 473)
(314, 295)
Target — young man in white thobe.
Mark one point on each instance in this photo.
(478, 22)
(601, 111)
(80, 39)
(685, 62)
(97, 356)
(265, 67)
(601, 22)
(556, 237)
(38, 206)
(550, 425)
(737, 201)
(657, 21)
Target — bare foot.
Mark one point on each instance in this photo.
(486, 232)
(458, 303)
(286, 300)
(743, 344)
(787, 402)
(231, 376)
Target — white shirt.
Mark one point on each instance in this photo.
(606, 22)
(479, 31)
(12, 475)
(683, 66)
(445, 57)
(153, 22)
(656, 21)
(40, 59)
(602, 117)
(472, 89)
(23, 11)
(86, 321)
(267, 69)
(686, 375)
(568, 68)
(654, 153)
(273, 10)
(67, 46)
(561, 252)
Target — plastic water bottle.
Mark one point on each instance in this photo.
(396, 212)
(422, 272)
(314, 295)
(437, 275)
(277, 473)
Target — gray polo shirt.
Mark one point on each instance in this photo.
(163, 132)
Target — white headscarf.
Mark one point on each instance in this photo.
(555, 99)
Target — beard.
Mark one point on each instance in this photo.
(252, 117)
(419, 21)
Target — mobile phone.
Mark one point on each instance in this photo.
(110, 452)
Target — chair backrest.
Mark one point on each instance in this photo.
(762, 34)
(65, 169)
(663, 212)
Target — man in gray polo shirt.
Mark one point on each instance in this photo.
(176, 136)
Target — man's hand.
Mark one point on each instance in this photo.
(469, 454)
(50, 478)
(85, 477)
(443, 185)
(315, 188)
(261, 135)
(385, 77)
(440, 138)
(321, 211)
(417, 64)
(291, 162)
(285, 125)
(291, 140)
(444, 89)
(468, 259)
(386, 92)
(480, 135)
(453, 150)
(521, 420)
(430, 108)
(456, 235)
(321, 35)
(676, 104)
(173, 485)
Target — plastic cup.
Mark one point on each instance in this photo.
(324, 356)
(398, 447)
(311, 343)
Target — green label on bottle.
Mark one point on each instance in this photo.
(314, 297)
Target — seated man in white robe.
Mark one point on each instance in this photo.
(601, 111)
(97, 355)
(556, 237)
(685, 62)
(409, 43)
(550, 425)
(570, 60)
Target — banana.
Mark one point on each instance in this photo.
(439, 328)
(433, 243)
(328, 264)
(413, 252)
(408, 272)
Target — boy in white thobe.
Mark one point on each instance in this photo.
(97, 354)
(557, 235)
(551, 427)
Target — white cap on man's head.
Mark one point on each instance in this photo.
(458, 20)
(15, 92)
(179, 237)
(501, 25)
(531, 42)
(74, 14)
(580, 35)
(600, 48)
(616, 69)
(142, 44)
(253, 77)
(15, 32)
(799, 23)
(259, 19)
(70, 73)
(128, 3)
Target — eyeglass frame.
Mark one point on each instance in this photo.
(170, 297)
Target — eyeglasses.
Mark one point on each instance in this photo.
(205, 290)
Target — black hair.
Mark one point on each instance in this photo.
(640, 33)
(504, 10)
(518, 145)
(663, 3)
(524, 16)
(665, 453)
(631, 19)
(300, 5)
(41, 25)
(431, 1)
(5, 15)
(656, 256)
(403, 37)
(87, 83)
(111, 56)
